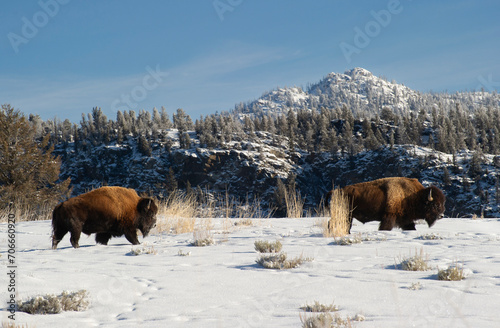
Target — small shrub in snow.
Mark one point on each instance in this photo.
(327, 320)
(357, 239)
(202, 242)
(431, 236)
(181, 253)
(51, 304)
(262, 246)
(349, 240)
(203, 237)
(280, 261)
(415, 286)
(318, 307)
(452, 273)
(143, 250)
(244, 222)
(359, 317)
(416, 263)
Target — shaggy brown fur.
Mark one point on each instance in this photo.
(107, 212)
(395, 202)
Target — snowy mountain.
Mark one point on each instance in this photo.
(360, 91)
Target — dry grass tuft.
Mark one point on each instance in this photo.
(340, 216)
(452, 273)
(280, 261)
(357, 239)
(202, 234)
(418, 262)
(143, 250)
(327, 320)
(51, 304)
(181, 253)
(262, 246)
(318, 307)
(431, 236)
(415, 286)
(202, 239)
(244, 222)
(249, 209)
(294, 203)
(349, 240)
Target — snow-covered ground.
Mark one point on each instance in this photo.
(222, 286)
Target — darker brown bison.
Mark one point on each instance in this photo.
(107, 212)
(395, 202)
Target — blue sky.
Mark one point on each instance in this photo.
(60, 58)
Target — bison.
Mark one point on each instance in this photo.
(394, 202)
(107, 212)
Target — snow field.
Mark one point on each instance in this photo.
(222, 285)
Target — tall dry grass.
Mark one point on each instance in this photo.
(177, 213)
(340, 217)
(294, 203)
(182, 213)
(27, 212)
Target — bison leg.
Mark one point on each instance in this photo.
(75, 237)
(57, 236)
(102, 238)
(409, 226)
(387, 223)
(132, 237)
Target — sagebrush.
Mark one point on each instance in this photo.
(454, 272)
(324, 320)
(263, 246)
(418, 262)
(52, 304)
(319, 307)
(280, 261)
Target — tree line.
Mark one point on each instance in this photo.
(324, 130)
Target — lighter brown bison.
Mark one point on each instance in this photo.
(395, 202)
(107, 212)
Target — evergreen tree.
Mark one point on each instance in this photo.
(165, 120)
(29, 173)
(292, 130)
(182, 121)
(184, 140)
(144, 146)
(446, 177)
(171, 183)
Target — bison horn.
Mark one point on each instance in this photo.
(149, 204)
(430, 196)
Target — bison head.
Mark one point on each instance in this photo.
(147, 210)
(434, 200)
